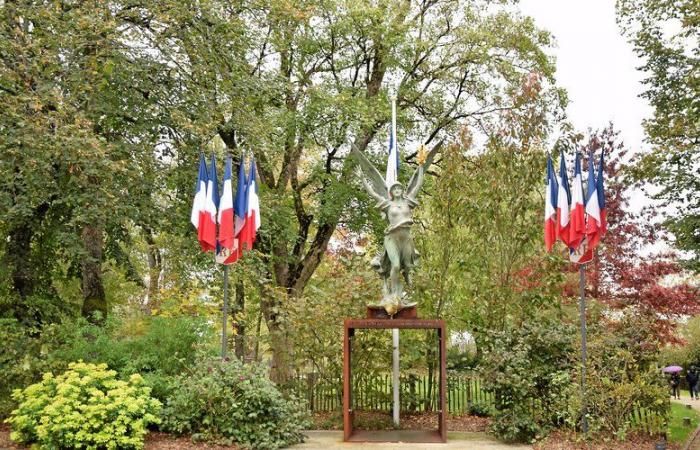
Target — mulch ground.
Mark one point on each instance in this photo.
(370, 420)
(567, 441)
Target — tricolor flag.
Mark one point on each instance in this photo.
(208, 236)
(550, 211)
(252, 218)
(600, 189)
(577, 226)
(563, 198)
(392, 164)
(592, 207)
(226, 236)
(198, 210)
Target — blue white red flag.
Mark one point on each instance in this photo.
(392, 163)
(577, 226)
(600, 189)
(563, 199)
(210, 219)
(226, 236)
(592, 207)
(198, 210)
(252, 218)
(550, 211)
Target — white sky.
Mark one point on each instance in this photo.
(595, 65)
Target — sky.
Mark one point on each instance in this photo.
(598, 68)
(595, 64)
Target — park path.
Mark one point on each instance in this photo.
(333, 440)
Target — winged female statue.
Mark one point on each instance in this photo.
(399, 255)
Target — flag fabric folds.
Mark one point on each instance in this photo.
(392, 163)
(550, 207)
(577, 226)
(226, 236)
(252, 217)
(563, 199)
(198, 210)
(600, 189)
(593, 222)
(209, 219)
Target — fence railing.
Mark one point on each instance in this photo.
(420, 393)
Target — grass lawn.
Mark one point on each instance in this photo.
(677, 432)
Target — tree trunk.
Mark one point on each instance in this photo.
(94, 300)
(18, 257)
(155, 266)
(238, 325)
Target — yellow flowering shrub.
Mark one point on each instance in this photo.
(86, 407)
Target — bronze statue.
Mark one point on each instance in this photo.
(399, 255)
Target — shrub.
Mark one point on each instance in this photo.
(527, 369)
(85, 407)
(479, 409)
(228, 401)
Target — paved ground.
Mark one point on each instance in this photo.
(685, 400)
(333, 440)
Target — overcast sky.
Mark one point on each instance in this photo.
(595, 64)
(597, 67)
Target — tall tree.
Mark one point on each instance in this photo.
(297, 83)
(666, 34)
(654, 285)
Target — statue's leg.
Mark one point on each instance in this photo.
(395, 284)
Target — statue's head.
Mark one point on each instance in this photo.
(396, 191)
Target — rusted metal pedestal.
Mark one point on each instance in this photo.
(351, 435)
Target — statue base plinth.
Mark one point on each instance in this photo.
(378, 312)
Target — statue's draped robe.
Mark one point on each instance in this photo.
(397, 236)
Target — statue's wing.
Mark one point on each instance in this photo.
(417, 178)
(371, 172)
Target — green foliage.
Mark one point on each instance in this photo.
(84, 407)
(480, 409)
(158, 348)
(621, 376)
(687, 352)
(665, 35)
(227, 401)
(527, 367)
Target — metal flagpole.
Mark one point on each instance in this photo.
(225, 313)
(582, 306)
(395, 374)
(395, 332)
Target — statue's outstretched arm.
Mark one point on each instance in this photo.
(418, 176)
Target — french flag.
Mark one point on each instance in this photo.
(563, 198)
(550, 211)
(198, 209)
(600, 189)
(252, 218)
(239, 211)
(392, 163)
(577, 227)
(226, 236)
(208, 224)
(593, 221)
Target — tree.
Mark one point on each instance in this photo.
(297, 83)
(79, 134)
(655, 285)
(665, 34)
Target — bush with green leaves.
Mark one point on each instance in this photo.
(527, 368)
(157, 348)
(84, 407)
(227, 401)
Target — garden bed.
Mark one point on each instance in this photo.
(372, 420)
(568, 441)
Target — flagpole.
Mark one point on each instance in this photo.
(582, 306)
(395, 380)
(225, 313)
